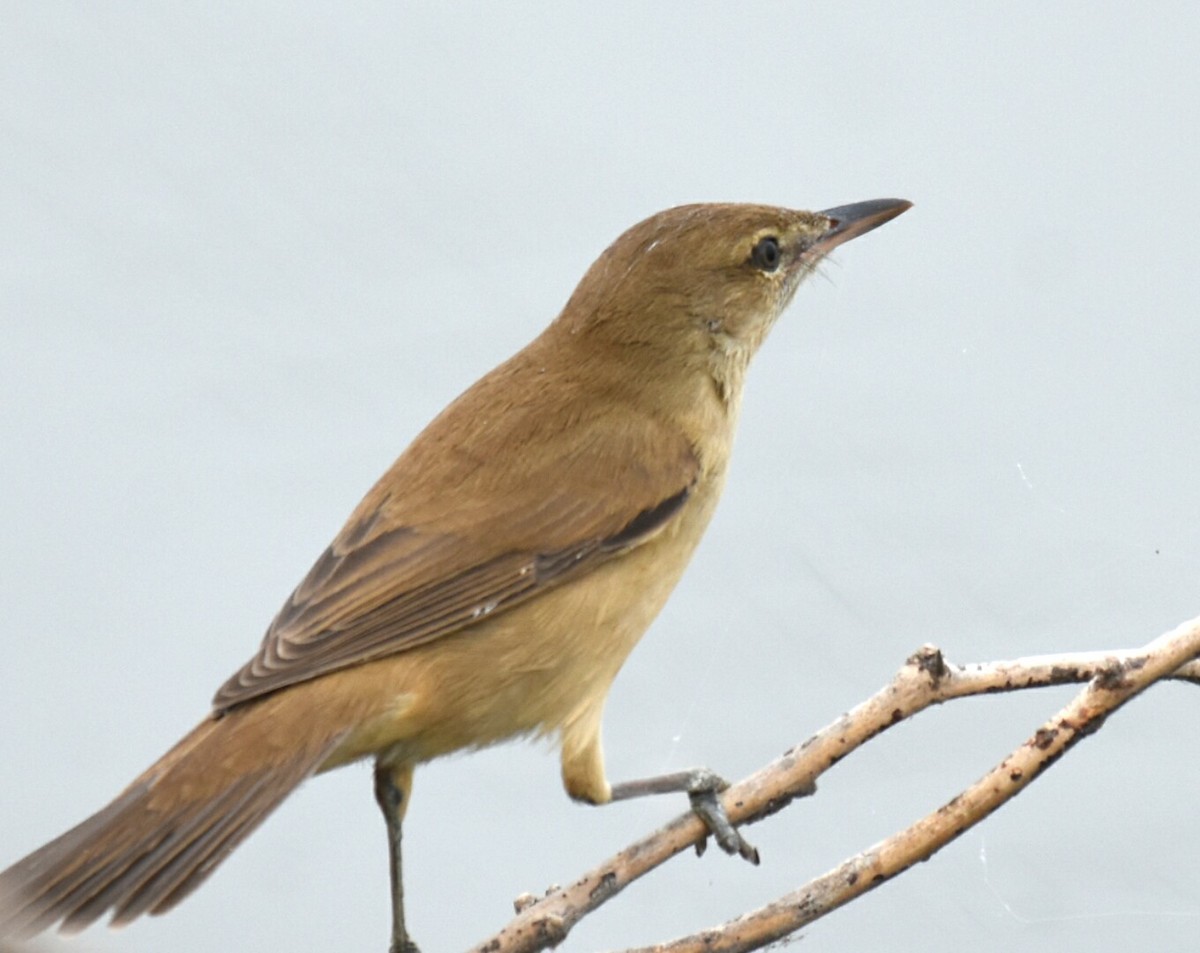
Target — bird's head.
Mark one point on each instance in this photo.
(709, 280)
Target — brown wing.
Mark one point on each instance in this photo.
(458, 530)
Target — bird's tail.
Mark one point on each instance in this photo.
(162, 836)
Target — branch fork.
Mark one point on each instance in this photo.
(925, 679)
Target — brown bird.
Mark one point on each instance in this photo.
(494, 580)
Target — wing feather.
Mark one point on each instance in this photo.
(411, 568)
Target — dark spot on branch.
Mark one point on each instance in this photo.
(1111, 678)
(929, 659)
(772, 806)
(549, 931)
(606, 887)
(1093, 724)
(779, 803)
(1066, 675)
(1043, 765)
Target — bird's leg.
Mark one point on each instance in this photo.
(702, 787)
(393, 782)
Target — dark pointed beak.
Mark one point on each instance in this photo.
(850, 221)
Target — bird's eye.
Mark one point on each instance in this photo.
(766, 255)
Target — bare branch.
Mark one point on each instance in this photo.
(926, 679)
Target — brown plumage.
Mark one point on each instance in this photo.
(494, 580)
(161, 837)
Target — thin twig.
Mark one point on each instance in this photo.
(1124, 676)
(926, 679)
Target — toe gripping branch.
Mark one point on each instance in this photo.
(702, 787)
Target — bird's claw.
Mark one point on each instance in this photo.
(703, 794)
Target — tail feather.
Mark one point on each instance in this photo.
(33, 889)
(166, 833)
(170, 892)
(175, 872)
(131, 888)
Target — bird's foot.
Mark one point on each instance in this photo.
(703, 787)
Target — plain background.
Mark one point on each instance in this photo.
(248, 250)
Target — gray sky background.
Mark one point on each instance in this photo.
(248, 251)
